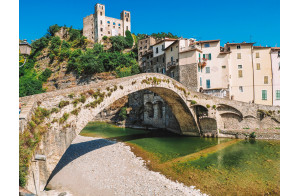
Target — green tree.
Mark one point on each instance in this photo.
(53, 29)
(129, 39)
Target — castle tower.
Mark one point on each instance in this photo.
(99, 17)
(126, 18)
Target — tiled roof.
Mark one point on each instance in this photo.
(241, 43)
(192, 49)
(166, 39)
(171, 44)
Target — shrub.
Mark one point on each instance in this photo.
(82, 98)
(207, 105)
(193, 102)
(55, 44)
(76, 111)
(123, 113)
(119, 43)
(63, 104)
(214, 107)
(121, 87)
(129, 39)
(54, 120)
(75, 102)
(45, 75)
(71, 95)
(54, 110)
(64, 118)
(104, 37)
(252, 135)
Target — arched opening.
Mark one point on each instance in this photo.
(149, 110)
(159, 106)
(201, 111)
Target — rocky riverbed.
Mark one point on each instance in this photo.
(93, 166)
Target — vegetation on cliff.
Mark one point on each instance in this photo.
(65, 44)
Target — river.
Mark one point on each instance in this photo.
(216, 166)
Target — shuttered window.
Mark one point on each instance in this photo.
(240, 73)
(209, 56)
(277, 94)
(258, 66)
(239, 55)
(257, 55)
(266, 80)
(207, 83)
(207, 69)
(200, 81)
(264, 94)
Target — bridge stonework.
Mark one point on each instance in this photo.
(220, 114)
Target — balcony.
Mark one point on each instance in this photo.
(171, 64)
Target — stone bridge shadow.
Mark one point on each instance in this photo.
(77, 150)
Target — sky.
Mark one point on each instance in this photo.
(230, 21)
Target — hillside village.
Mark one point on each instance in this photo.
(105, 49)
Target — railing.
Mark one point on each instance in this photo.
(171, 64)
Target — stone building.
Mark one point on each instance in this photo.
(97, 25)
(213, 75)
(275, 57)
(145, 47)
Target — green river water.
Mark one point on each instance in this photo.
(218, 166)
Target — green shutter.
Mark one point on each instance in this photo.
(209, 56)
(264, 95)
(204, 56)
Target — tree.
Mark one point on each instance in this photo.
(129, 39)
(53, 29)
(119, 43)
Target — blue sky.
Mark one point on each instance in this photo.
(231, 20)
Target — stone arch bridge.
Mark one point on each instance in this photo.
(197, 114)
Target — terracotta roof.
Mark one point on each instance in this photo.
(171, 44)
(260, 47)
(191, 50)
(275, 48)
(208, 41)
(166, 39)
(241, 43)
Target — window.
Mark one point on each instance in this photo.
(207, 69)
(157, 70)
(223, 66)
(239, 55)
(240, 73)
(279, 66)
(171, 59)
(163, 59)
(171, 48)
(258, 66)
(100, 13)
(266, 80)
(207, 83)
(198, 68)
(278, 54)
(240, 66)
(119, 25)
(163, 71)
(238, 47)
(172, 74)
(200, 81)
(146, 41)
(162, 47)
(209, 56)
(101, 29)
(206, 45)
(108, 22)
(264, 94)
(114, 23)
(257, 55)
(126, 19)
(241, 89)
(108, 32)
(277, 94)
(126, 28)
(100, 21)
(156, 50)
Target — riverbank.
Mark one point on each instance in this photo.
(91, 166)
(261, 134)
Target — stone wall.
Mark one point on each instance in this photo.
(188, 76)
(88, 27)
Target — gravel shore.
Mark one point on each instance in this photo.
(93, 166)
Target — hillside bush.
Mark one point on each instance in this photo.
(45, 75)
(53, 29)
(129, 39)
